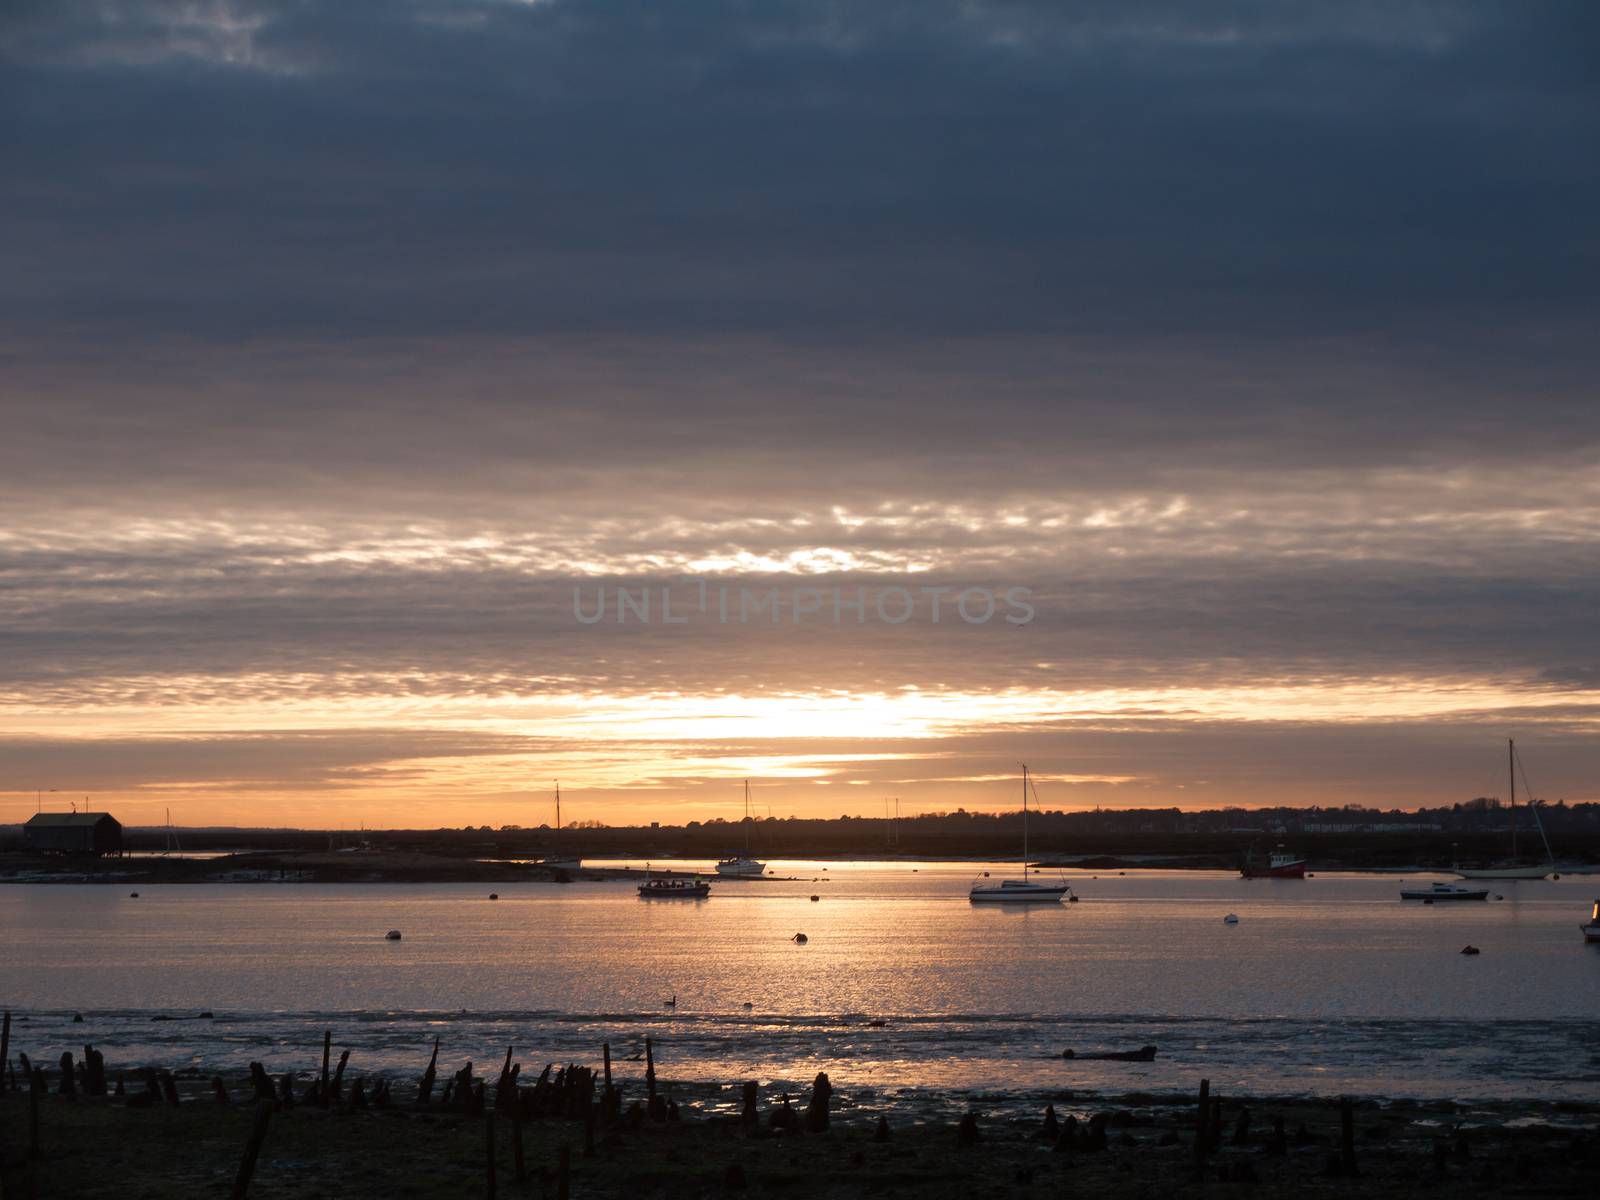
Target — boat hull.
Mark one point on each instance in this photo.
(562, 864)
(1591, 933)
(1505, 873)
(741, 868)
(696, 891)
(1463, 894)
(1016, 895)
(1294, 870)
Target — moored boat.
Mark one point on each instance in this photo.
(1444, 891)
(1591, 931)
(1515, 869)
(742, 866)
(1024, 890)
(560, 861)
(674, 889)
(1279, 865)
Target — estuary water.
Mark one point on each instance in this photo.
(1325, 986)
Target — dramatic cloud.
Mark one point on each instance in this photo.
(343, 340)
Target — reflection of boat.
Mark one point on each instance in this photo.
(559, 861)
(742, 866)
(674, 889)
(1444, 891)
(1514, 869)
(1591, 931)
(1279, 865)
(1024, 889)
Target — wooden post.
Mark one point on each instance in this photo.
(604, 1046)
(425, 1089)
(516, 1145)
(564, 1173)
(5, 1048)
(252, 1149)
(1202, 1130)
(1347, 1135)
(338, 1074)
(35, 1086)
(327, 1048)
(650, 1071)
(488, 1155)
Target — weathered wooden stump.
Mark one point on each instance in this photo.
(1278, 1144)
(1051, 1129)
(817, 1110)
(425, 1088)
(219, 1090)
(261, 1083)
(69, 1085)
(784, 1119)
(1241, 1128)
(750, 1117)
(338, 1076)
(967, 1133)
(252, 1150)
(881, 1133)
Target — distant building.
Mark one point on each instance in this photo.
(73, 833)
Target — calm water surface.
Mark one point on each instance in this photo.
(1325, 986)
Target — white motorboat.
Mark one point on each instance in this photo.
(1515, 869)
(1024, 890)
(1591, 931)
(742, 866)
(1444, 891)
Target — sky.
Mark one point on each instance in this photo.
(352, 354)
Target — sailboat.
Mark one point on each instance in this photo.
(560, 861)
(1514, 869)
(742, 866)
(1024, 889)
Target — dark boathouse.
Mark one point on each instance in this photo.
(73, 833)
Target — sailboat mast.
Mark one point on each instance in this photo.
(1024, 820)
(558, 806)
(1511, 770)
(747, 818)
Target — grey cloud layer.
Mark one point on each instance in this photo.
(338, 340)
(837, 169)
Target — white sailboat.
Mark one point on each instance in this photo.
(1514, 869)
(1022, 890)
(560, 861)
(742, 866)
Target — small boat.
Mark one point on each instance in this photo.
(392, 936)
(1231, 919)
(674, 889)
(1279, 865)
(1444, 891)
(742, 866)
(561, 861)
(1591, 931)
(1515, 869)
(1024, 890)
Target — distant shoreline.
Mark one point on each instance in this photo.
(379, 866)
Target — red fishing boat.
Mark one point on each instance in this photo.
(1279, 865)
